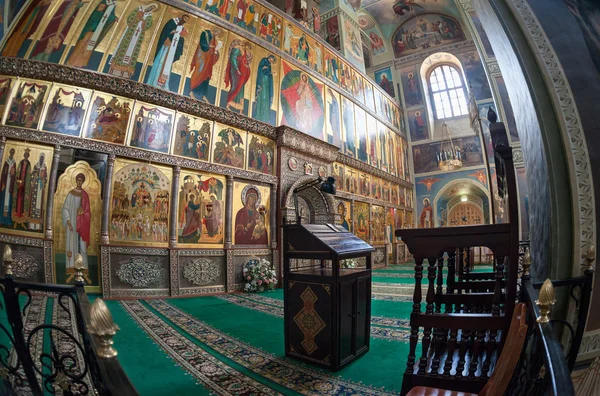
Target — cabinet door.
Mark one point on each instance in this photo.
(363, 301)
(347, 298)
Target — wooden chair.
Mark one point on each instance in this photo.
(498, 382)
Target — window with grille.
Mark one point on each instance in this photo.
(448, 92)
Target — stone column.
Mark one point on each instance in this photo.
(110, 167)
(174, 207)
(228, 211)
(51, 190)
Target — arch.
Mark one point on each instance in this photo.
(453, 183)
(320, 204)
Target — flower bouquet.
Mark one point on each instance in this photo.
(349, 263)
(259, 276)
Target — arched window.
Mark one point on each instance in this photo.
(448, 92)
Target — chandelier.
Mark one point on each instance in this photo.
(449, 157)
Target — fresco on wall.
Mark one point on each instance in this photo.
(384, 79)
(508, 110)
(139, 207)
(246, 14)
(332, 32)
(418, 125)
(424, 155)
(221, 8)
(151, 127)
(348, 127)
(108, 118)
(91, 42)
(352, 44)
(361, 132)
(352, 184)
(364, 185)
(270, 27)
(339, 174)
(426, 31)
(332, 71)
(344, 210)
(265, 100)
(26, 168)
(315, 56)
(485, 41)
(77, 214)
(6, 85)
(261, 154)
(302, 104)
(20, 38)
(66, 110)
(345, 77)
(381, 146)
(170, 49)
(193, 137)
(252, 209)
(229, 146)
(27, 103)
(358, 89)
(587, 15)
(129, 50)
(237, 83)
(413, 93)
(360, 216)
(206, 63)
(476, 75)
(369, 96)
(332, 113)
(201, 209)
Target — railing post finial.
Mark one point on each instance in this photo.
(103, 328)
(8, 260)
(546, 301)
(590, 257)
(526, 264)
(79, 281)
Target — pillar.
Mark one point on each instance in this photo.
(174, 208)
(110, 167)
(51, 190)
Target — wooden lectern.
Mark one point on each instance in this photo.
(327, 309)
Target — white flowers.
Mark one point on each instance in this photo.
(259, 275)
(349, 263)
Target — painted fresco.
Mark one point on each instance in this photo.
(418, 125)
(6, 85)
(424, 155)
(193, 137)
(20, 39)
(77, 215)
(66, 110)
(384, 79)
(352, 44)
(345, 76)
(485, 41)
(128, 52)
(93, 39)
(373, 149)
(246, 14)
(383, 155)
(301, 101)
(151, 127)
(385, 191)
(221, 8)
(265, 99)
(26, 168)
(369, 97)
(332, 67)
(252, 211)
(348, 127)
(413, 91)
(270, 27)
(345, 212)
(426, 31)
(201, 209)
(351, 177)
(378, 219)
(360, 216)
(476, 76)
(332, 32)
(206, 63)
(229, 146)
(108, 118)
(261, 154)
(236, 88)
(27, 103)
(340, 178)
(376, 187)
(332, 115)
(358, 90)
(509, 117)
(394, 195)
(139, 208)
(315, 58)
(361, 133)
(170, 48)
(364, 185)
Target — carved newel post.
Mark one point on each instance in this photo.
(103, 328)
(174, 208)
(110, 166)
(8, 260)
(51, 191)
(228, 210)
(546, 301)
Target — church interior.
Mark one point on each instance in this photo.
(285, 197)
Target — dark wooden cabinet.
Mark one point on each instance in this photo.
(327, 309)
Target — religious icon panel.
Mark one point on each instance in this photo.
(245, 15)
(27, 103)
(252, 211)
(270, 26)
(265, 98)
(332, 67)
(77, 215)
(348, 125)
(201, 216)
(361, 220)
(345, 212)
(20, 39)
(378, 221)
(139, 207)
(261, 154)
(193, 137)
(236, 85)
(66, 109)
(151, 127)
(229, 146)
(108, 118)
(26, 168)
(333, 121)
(6, 86)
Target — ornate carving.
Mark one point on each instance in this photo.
(590, 343)
(140, 293)
(308, 145)
(194, 252)
(139, 250)
(401, 62)
(309, 321)
(571, 126)
(18, 240)
(518, 155)
(379, 256)
(105, 259)
(203, 290)
(201, 271)
(252, 252)
(174, 270)
(139, 272)
(48, 268)
(230, 272)
(363, 167)
(24, 265)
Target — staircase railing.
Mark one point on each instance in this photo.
(75, 356)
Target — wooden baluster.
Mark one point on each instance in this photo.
(461, 261)
(426, 341)
(414, 338)
(498, 288)
(450, 356)
(468, 254)
(431, 288)
(464, 340)
(437, 348)
(490, 349)
(450, 277)
(417, 294)
(477, 349)
(440, 283)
